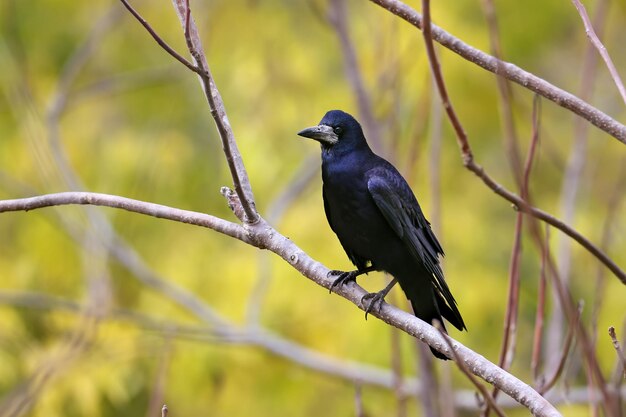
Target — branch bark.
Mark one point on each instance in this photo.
(511, 72)
(263, 236)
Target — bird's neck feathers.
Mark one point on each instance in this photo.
(350, 144)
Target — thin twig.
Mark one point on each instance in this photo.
(591, 34)
(571, 187)
(618, 348)
(483, 390)
(233, 157)
(162, 43)
(468, 161)
(466, 154)
(505, 95)
(546, 385)
(262, 235)
(338, 20)
(234, 160)
(540, 314)
(510, 72)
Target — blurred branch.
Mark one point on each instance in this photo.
(429, 392)
(510, 72)
(350, 371)
(263, 236)
(358, 400)
(571, 186)
(505, 94)
(546, 385)
(337, 18)
(303, 176)
(481, 388)
(469, 163)
(591, 34)
(540, 314)
(618, 349)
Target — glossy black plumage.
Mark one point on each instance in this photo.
(378, 220)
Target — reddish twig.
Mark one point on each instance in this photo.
(469, 163)
(507, 351)
(521, 203)
(505, 95)
(591, 34)
(546, 385)
(510, 72)
(540, 315)
(218, 112)
(483, 390)
(262, 235)
(618, 348)
(570, 187)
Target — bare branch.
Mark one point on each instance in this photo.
(483, 390)
(511, 72)
(337, 18)
(218, 111)
(618, 348)
(231, 151)
(540, 314)
(162, 43)
(570, 187)
(591, 34)
(150, 209)
(262, 235)
(468, 161)
(546, 385)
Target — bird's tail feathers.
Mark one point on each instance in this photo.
(429, 314)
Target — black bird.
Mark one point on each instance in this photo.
(379, 222)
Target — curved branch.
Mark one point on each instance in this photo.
(216, 105)
(128, 204)
(262, 235)
(468, 160)
(511, 72)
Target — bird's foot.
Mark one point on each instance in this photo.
(343, 277)
(373, 301)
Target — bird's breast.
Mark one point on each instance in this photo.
(354, 216)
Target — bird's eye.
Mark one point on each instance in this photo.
(338, 130)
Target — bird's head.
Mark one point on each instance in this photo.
(337, 128)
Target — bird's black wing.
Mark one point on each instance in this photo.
(358, 261)
(400, 208)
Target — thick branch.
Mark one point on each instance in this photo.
(511, 72)
(128, 204)
(262, 235)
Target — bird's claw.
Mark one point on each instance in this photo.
(342, 279)
(374, 300)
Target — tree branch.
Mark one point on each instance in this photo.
(510, 72)
(128, 204)
(262, 235)
(468, 159)
(591, 34)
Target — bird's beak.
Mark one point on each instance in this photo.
(321, 133)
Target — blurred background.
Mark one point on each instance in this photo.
(104, 312)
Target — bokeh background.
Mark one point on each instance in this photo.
(89, 101)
